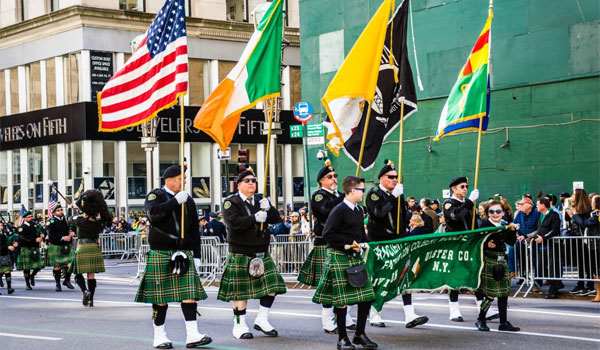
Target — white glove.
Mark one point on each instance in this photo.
(474, 195)
(264, 204)
(398, 190)
(181, 197)
(197, 263)
(260, 216)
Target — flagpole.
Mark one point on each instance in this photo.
(270, 121)
(181, 161)
(364, 138)
(400, 142)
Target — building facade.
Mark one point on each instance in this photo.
(56, 55)
(545, 88)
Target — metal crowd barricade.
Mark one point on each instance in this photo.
(289, 253)
(566, 258)
(210, 259)
(115, 244)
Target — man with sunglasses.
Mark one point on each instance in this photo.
(250, 272)
(322, 203)
(458, 213)
(382, 206)
(60, 252)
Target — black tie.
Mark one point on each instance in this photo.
(249, 200)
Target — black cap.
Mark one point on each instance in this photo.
(173, 170)
(565, 195)
(458, 180)
(58, 206)
(435, 201)
(389, 166)
(325, 170)
(213, 215)
(249, 171)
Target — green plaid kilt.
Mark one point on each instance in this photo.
(237, 284)
(24, 261)
(488, 285)
(334, 289)
(55, 258)
(159, 286)
(312, 268)
(5, 269)
(88, 259)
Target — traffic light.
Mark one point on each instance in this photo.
(243, 155)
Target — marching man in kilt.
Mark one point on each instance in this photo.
(88, 257)
(345, 281)
(382, 206)
(170, 274)
(322, 202)
(7, 245)
(30, 255)
(250, 272)
(60, 249)
(494, 277)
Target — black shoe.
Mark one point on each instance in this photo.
(1, 283)
(58, 288)
(345, 344)
(334, 331)
(91, 303)
(586, 292)
(351, 327)
(32, 280)
(86, 298)
(10, 291)
(271, 333)
(551, 295)
(205, 340)
(165, 346)
(68, 284)
(417, 322)
(363, 341)
(482, 326)
(28, 287)
(247, 335)
(508, 327)
(457, 319)
(378, 324)
(577, 289)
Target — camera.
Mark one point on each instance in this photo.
(321, 154)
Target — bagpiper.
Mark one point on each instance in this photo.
(323, 200)
(250, 272)
(30, 256)
(88, 258)
(60, 247)
(170, 274)
(7, 245)
(345, 280)
(382, 206)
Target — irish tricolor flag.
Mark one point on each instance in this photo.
(469, 101)
(255, 78)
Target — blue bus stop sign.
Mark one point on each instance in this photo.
(303, 112)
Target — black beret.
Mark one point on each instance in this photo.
(458, 180)
(58, 206)
(389, 166)
(249, 171)
(324, 171)
(173, 170)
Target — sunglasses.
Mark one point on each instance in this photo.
(497, 211)
(463, 186)
(331, 176)
(360, 189)
(392, 177)
(250, 180)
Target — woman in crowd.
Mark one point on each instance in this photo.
(580, 206)
(590, 225)
(416, 225)
(88, 257)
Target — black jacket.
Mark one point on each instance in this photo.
(3, 244)
(588, 221)
(500, 238)
(344, 226)
(458, 215)
(87, 229)
(382, 208)
(28, 233)
(550, 227)
(164, 214)
(243, 232)
(216, 229)
(322, 203)
(56, 229)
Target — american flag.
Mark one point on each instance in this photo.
(153, 78)
(21, 218)
(53, 202)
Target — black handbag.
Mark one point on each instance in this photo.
(34, 255)
(65, 249)
(5, 260)
(357, 275)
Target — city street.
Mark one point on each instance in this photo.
(46, 319)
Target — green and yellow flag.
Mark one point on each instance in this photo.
(469, 101)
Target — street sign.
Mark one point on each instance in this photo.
(313, 130)
(296, 131)
(315, 140)
(224, 156)
(303, 111)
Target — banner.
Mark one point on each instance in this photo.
(427, 262)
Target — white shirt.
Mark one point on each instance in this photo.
(335, 193)
(384, 189)
(460, 200)
(349, 204)
(169, 191)
(244, 198)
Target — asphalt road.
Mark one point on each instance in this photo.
(45, 319)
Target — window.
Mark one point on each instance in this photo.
(2, 95)
(237, 10)
(54, 5)
(51, 82)
(23, 8)
(188, 8)
(132, 5)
